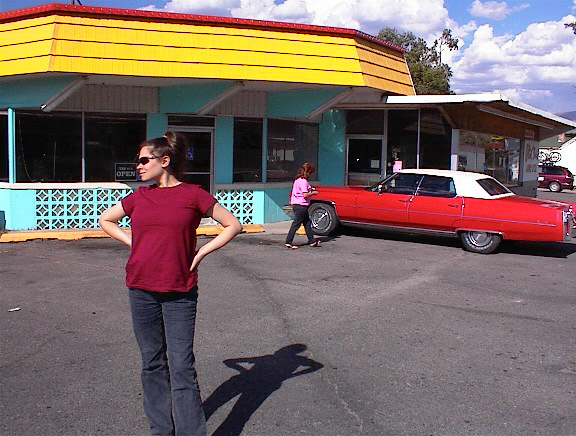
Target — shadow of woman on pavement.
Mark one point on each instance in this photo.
(258, 377)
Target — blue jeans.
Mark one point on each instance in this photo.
(300, 217)
(164, 329)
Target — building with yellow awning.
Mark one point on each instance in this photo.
(81, 86)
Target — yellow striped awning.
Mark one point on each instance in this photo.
(87, 40)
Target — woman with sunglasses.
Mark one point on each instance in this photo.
(162, 274)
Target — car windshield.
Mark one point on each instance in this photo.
(493, 186)
(374, 188)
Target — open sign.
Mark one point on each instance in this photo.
(124, 172)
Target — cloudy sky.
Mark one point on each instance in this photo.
(519, 48)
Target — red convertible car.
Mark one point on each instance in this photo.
(475, 207)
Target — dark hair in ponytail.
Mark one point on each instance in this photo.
(174, 146)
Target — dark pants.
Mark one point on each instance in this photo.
(164, 329)
(300, 217)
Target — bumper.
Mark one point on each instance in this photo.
(569, 223)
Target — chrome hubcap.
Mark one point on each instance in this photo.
(479, 239)
(320, 219)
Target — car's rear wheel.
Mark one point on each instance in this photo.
(480, 242)
(324, 218)
(555, 187)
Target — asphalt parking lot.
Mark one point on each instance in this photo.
(370, 334)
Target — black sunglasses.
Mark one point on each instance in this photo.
(145, 159)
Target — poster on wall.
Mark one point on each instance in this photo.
(530, 160)
(125, 172)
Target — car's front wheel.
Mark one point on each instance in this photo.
(324, 218)
(480, 242)
(555, 187)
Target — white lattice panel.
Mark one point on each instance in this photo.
(239, 202)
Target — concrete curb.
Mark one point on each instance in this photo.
(73, 235)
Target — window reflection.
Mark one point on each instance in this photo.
(290, 144)
(435, 140)
(402, 139)
(497, 156)
(48, 147)
(247, 150)
(111, 140)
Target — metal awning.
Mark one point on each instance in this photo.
(487, 113)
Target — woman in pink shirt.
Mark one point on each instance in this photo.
(299, 199)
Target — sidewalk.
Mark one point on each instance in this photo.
(72, 235)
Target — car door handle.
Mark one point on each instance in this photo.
(405, 201)
(454, 205)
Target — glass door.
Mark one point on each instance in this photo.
(365, 161)
(199, 164)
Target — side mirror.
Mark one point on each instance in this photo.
(380, 189)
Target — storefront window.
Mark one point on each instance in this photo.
(290, 144)
(247, 150)
(190, 120)
(48, 147)
(111, 141)
(402, 139)
(3, 148)
(497, 156)
(365, 122)
(364, 161)
(435, 140)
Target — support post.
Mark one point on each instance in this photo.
(11, 146)
(454, 149)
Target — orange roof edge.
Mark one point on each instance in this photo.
(204, 19)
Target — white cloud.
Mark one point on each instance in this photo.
(493, 9)
(205, 7)
(423, 17)
(525, 66)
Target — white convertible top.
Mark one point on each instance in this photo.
(466, 183)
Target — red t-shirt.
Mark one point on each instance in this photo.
(164, 223)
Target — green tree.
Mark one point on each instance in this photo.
(429, 74)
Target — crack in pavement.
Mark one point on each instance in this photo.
(264, 289)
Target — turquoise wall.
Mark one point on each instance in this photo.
(268, 205)
(190, 98)
(223, 152)
(156, 125)
(259, 210)
(19, 206)
(298, 103)
(4, 207)
(332, 148)
(274, 199)
(31, 93)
